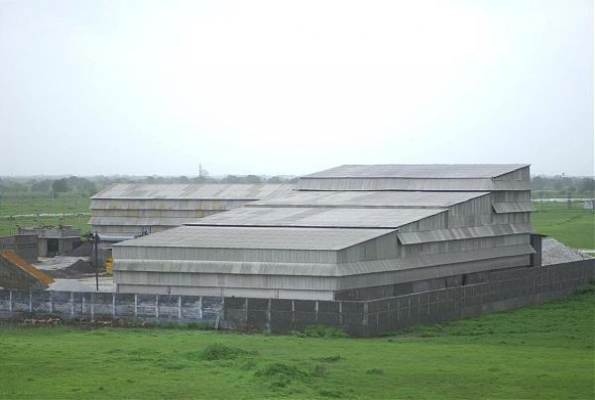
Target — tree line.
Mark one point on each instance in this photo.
(88, 186)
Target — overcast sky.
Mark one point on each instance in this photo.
(157, 87)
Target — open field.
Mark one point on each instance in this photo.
(537, 352)
(574, 227)
(13, 206)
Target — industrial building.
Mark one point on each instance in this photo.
(352, 232)
(124, 211)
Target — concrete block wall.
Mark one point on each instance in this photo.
(478, 294)
(25, 246)
(423, 302)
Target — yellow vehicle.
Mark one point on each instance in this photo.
(108, 265)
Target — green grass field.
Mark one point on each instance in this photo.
(42, 203)
(574, 227)
(542, 352)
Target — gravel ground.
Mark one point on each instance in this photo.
(554, 252)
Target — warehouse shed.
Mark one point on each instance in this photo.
(351, 232)
(123, 211)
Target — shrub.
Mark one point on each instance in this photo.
(218, 351)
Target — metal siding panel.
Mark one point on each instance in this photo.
(502, 208)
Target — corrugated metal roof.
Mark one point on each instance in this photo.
(440, 235)
(362, 199)
(137, 221)
(429, 171)
(207, 191)
(257, 238)
(306, 269)
(408, 184)
(319, 217)
(502, 208)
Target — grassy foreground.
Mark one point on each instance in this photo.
(574, 227)
(538, 352)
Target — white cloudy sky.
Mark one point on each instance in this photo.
(279, 87)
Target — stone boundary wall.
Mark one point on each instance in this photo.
(467, 295)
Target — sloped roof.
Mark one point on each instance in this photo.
(427, 171)
(470, 232)
(362, 199)
(256, 238)
(207, 191)
(319, 217)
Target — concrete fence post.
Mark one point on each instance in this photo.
(316, 311)
(113, 304)
(71, 304)
(135, 305)
(222, 307)
(341, 313)
(269, 314)
(51, 303)
(246, 305)
(157, 306)
(93, 306)
(200, 307)
(10, 307)
(293, 314)
(83, 304)
(30, 300)
(179, 307)
(365, 321)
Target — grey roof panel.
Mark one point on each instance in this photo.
(319, 217)
(139, 221)
(440, 235)
(408, 184)
(430, 171)
(207, 191)
(502, 208)
(363, 199)
(257, 238)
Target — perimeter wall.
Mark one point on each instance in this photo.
(419, 303)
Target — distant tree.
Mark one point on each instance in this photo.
(587, 185)
(41, 186)
(538, 182)
(252, 179)
(274, 179)
(60, 186)
(558, 185)
(232, 179)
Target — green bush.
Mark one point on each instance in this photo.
(218, 351)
